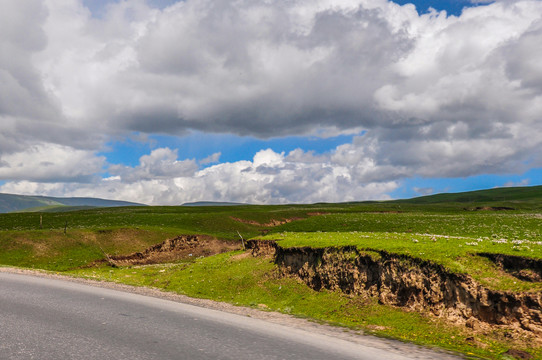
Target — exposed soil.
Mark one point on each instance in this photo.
(181, 247)
(262, 247)
(275, 222)
(490, 208)
(518, 354)
(517, 266)
(412, 284)
(271, 223)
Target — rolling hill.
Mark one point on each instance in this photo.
(15, 203)
(531, 194)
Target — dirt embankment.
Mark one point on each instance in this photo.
(271, 223)
(489, 208)
(181, 247)
(413, 284)
(275, 222)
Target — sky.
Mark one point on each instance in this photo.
(268, 102)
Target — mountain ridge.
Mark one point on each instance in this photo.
(15, 203)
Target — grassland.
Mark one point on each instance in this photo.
(450, 230)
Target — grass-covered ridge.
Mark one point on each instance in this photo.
(523, 196)
(13, 203)
(456, 254)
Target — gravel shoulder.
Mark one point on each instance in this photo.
(415, 351)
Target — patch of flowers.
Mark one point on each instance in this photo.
(500, 241)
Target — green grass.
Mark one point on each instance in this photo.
(23, 243)
(215, 221)
(56, 251)
(524, 226)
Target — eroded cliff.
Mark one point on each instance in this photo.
(410, 283)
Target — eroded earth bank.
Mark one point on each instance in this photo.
(415, 285)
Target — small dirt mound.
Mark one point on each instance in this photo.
(262, 247)
(181, 247)
(271, 223)
(490, 208)
(275, 222)
(518, 354)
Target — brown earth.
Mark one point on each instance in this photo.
(271, 223)
(412, 284)
(520, 267)
(275, 222)
(489, 208)
(262, 247)
(181, 247)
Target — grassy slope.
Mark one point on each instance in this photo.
(524, 196)
(12, 203)
(522, 231)
(24, 243)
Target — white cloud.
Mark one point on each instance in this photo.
(211, 159)
(269, 178)
(436, 95)
(424, 191)
(523, 182)
(51, 163)
(161, 163)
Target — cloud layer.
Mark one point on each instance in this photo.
(435, 95)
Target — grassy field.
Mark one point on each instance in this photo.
(450, 230)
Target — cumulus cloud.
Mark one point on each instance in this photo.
(435, 95)
(424, 191)
(270, 69)
(51, 163)
(159, 164)
(211, 159)
(269, 178)
(523, 182)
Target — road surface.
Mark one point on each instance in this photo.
(45, 319)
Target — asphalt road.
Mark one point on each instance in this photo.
(45, 319)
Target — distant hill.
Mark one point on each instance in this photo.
(211, 203)
(498, 195)
(15, 203)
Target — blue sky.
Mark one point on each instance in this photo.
(232, 148)
(452, 7)
(165, 102)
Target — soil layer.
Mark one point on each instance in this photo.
(180, 247)
(413, 284)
